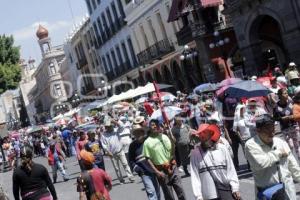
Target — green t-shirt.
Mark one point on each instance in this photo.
(158, 149)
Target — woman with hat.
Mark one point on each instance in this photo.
(32, 179)
(140, 165)
(94, 182)
(213, 174)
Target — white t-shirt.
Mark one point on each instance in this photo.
(243, 129)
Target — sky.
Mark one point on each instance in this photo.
(21, 18)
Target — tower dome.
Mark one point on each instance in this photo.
(42, 32)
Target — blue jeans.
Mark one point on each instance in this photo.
(151, 186)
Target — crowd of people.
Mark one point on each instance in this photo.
(202, 141)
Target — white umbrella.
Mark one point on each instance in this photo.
(149, 88)
(141, 100)
(60, 116)
(171, 112)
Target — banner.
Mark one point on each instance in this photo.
(211, 3)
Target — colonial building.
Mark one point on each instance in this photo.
(203, 23)
(82, 65)
(26, 84)
(112, 38)
(268, 32)
(155, 44)
(10, 107)
(49, 90)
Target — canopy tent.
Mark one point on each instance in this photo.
(132, 93)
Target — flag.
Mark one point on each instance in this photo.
(166, 120)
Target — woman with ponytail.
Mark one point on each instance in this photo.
(31, 180)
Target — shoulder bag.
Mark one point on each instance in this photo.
(223, 190)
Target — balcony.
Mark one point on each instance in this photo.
(82, 62)
(155, 52)
(201, 29)
(184, 36)
(122, 21)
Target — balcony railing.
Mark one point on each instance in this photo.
(82, 62)
(119, 71)
(155, 52)
(200, 29)
(184, 36)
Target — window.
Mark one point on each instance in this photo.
(97, 32)
(115, 65)
(113, 7)
(106, 28)
(121, 9)
(104, 64)
(88, 3)
(52, 68)
(144, 36)
(161, 24)
(86, 41)
(57, 90)
(94, 4)
(110, 19)
(119, 55)
(89, 37)
(70, 58)
(132, 51)
(152, 30)
(109, 62)
(126, 55)
(101, 30)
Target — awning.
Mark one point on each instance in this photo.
(211, 3)
(177, 8)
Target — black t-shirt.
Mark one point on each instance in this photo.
(33, 183)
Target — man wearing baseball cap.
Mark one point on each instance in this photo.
(213, 174)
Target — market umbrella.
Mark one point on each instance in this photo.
(141, 100)
(206, 87)
(34, 129)
(225, 84)
(171, 112)
(247, 89)
(229, 81)
(148, 89)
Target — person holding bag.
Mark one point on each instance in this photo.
(273, 165)
(213, 174)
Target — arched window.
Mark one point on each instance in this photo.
(52, 68)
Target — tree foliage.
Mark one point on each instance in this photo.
(10, 71)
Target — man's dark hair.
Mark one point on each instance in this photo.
(264, 120)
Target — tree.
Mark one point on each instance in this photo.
(10, 71)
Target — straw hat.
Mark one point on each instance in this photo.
(139, 120)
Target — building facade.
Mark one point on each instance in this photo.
(81, 63)
(268, 32)
(26, 84)
(49, 90)
(112, 38)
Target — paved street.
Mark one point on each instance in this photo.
(129, 191)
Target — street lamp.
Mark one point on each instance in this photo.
(219, 43)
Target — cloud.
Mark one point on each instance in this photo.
(29, 32)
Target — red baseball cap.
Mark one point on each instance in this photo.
(206, 131)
